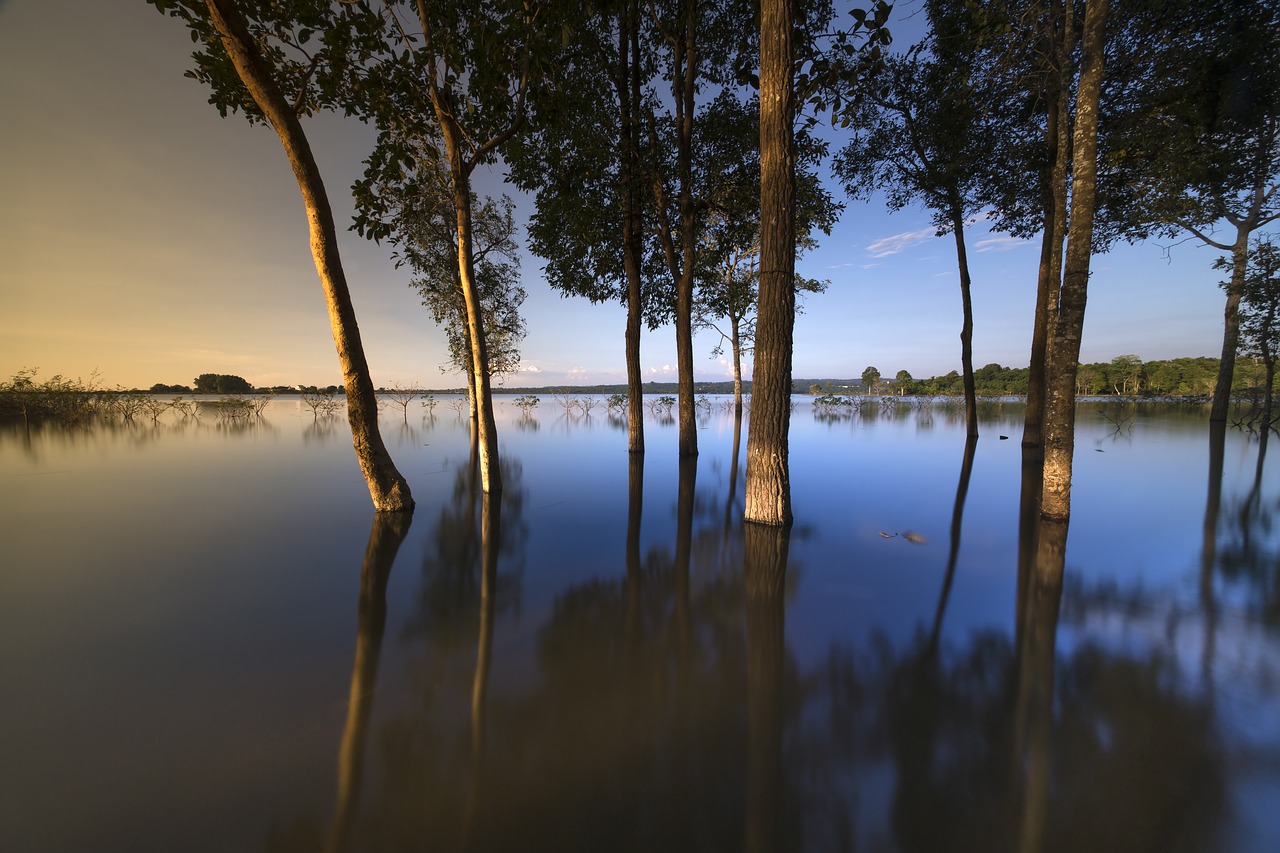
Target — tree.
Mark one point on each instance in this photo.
(1063, 351)
(585, 159)
(768, 478)
(920, 136)
(871, 379)
(220, 383)
(1126, 374)
(700, 44)
(726, 299)
(904, 380)
(1260, 314)
(247, 65)
(1200, 134)
(409, 204)
(459, 85)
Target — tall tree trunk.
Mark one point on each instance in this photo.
(768, 487)
(1060, 33)
(1063, 355)
(389, 490)
(486, 426)
(627, 82)
(966, 327)
(685, 92)
(1231, 327)
(735, 340)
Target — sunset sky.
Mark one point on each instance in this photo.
(144, 237)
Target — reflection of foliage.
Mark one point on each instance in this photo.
(450, 599)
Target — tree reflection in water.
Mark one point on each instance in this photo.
(662, 709)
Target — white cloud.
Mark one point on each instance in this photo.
(896, 243)
(999, 244)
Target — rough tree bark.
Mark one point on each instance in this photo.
(627, 83)
(389, 490)
(1063, 353)
(768, 485)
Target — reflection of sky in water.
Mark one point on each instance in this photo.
(177, 605)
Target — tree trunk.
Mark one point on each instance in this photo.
(627, 84)
(735, 340)
(389, 490)
(1062, 359)
(966, 327)
(1046, 281)
(1231, 327)
(490, 477)
(685, 92)
(768, 487)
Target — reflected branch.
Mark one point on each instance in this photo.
(957, 518)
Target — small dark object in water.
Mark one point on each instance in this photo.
(914, 538)
(1099, 450)
(1004, 438)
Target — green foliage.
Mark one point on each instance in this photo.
(526, 403)
(871, 379)
(221, 383)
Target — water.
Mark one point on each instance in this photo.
(207, 641)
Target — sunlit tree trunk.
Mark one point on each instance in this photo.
(389, 490)
(768, 487)
(1063, 354)
(486, 426)
(1060, 36)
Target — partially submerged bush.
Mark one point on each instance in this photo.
(56, 398)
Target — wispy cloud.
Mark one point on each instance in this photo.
(896, 243)
(999, 244)
(840, 266)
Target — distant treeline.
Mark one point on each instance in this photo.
(1124, 375)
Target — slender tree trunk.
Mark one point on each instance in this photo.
(966, 327)
(735, 341)
(627, 83)
(1063, 355)
(389, 490)
(1231, 327)
(685, 91)
(1061, 31)
(486, 426)
(1032, 431)
(768, 488)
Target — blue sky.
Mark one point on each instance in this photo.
(149, 239)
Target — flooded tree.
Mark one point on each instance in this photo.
(243, 77)
(407, 201)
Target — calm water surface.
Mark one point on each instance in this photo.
(207, 641)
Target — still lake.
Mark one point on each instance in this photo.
(207, 643)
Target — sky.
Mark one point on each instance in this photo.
(146, 239)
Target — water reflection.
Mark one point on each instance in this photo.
(388, 533)
(605, 657)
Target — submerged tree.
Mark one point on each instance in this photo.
(585, 158)
(249, 64)
(921, 135)
(409, 204)
(1260, 314)
(1199, 133)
